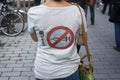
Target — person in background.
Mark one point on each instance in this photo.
(115, 18)
(92, 12)
(97, 4)
(106, 3)
(56, 27)
(84, 4)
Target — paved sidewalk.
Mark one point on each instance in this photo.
(17, 53)
(101, 42)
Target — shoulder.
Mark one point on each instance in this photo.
(34, 9)
(80, 9)
(77, 7)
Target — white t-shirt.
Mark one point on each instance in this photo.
(56, 28)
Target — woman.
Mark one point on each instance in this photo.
(115, 18)
(55, 26)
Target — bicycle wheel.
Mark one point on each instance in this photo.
(12, 24)
(24, 16)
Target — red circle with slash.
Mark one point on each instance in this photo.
(67, 32)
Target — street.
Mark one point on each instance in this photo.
(17, 54)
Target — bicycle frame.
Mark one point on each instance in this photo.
(9, 19)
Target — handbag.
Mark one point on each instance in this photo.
(85, 70)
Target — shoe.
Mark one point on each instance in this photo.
(101, 3)
(97, 8)
(92, 23)
(117, 49)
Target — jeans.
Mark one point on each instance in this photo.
(117, 34)
(74, 76)
(92, 14)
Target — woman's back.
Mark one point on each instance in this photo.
(56, 26)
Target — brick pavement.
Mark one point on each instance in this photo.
(17, 57)
(17, 53)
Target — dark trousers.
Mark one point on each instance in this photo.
(106, 3)
(117, 34)
(92, 14)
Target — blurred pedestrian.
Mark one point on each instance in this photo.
(106, 3)
(84, 4)
(115, 18)
(57, 35)
(92, 12)
(97, 3)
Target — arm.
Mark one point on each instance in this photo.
(80, 40)
(31, 25)
(34, 37)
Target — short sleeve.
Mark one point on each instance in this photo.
(31, 22)
(79, 20)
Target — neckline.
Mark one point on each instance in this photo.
(49, 7)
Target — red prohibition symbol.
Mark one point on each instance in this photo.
(58, 40)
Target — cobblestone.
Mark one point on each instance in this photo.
(7, 74)
(19, 78)
(4, 78)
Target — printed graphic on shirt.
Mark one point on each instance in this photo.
(60, 37)
(41, 33)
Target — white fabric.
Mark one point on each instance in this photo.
(50, 23)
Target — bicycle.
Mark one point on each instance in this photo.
(11, 23)
(23, 15)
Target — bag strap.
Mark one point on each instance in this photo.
(88, 55)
